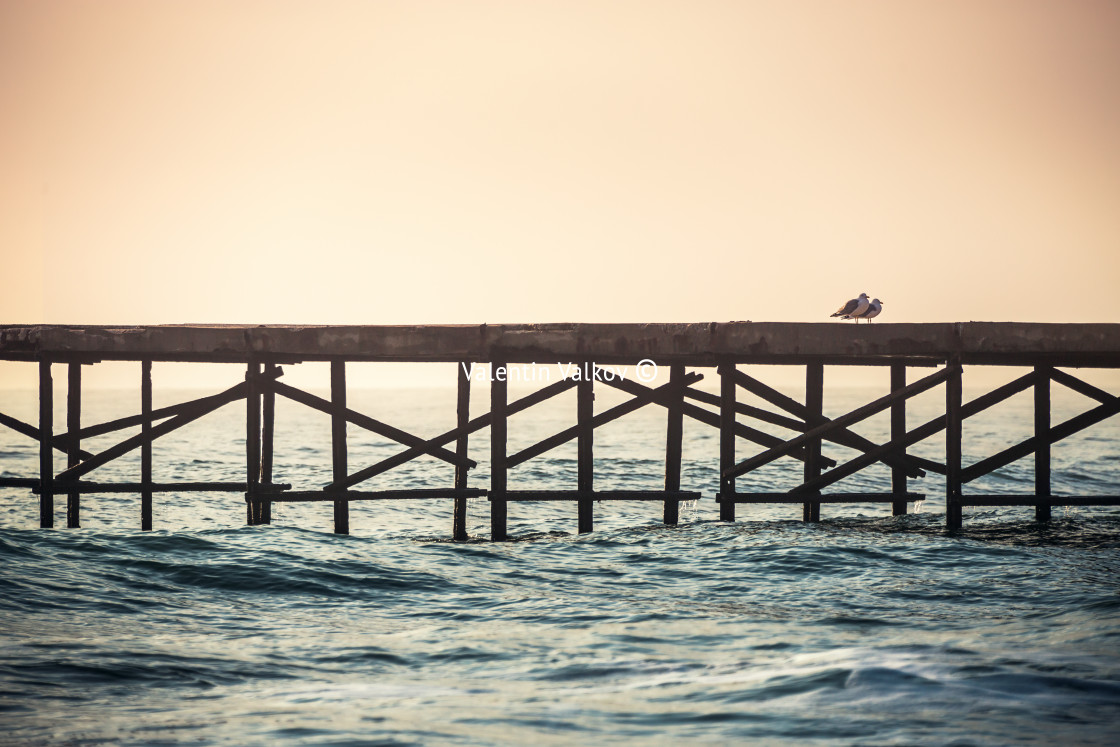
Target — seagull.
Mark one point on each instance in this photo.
(873, 310)
(853, 308)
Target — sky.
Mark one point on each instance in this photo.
(504, 162)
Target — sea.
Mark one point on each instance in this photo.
(862, 629)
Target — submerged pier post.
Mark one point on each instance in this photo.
(726, 441)
(268, 431)
(814, 403)
(499, 392)
(898, 430)
(674, 435)
(46, 453)
(252, 440)
(1042, 441)
(462, 417)
(953, 435)
(73, 449)
(338, 443)
(146, 446)
(585, 410)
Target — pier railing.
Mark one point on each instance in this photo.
(727, 349)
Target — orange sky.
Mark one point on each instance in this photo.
(411, 162)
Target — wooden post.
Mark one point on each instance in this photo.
(146, 447)
(814, 403)
(73, 451)
(252, 441)
(338, 443)
(46, 453)
(1042, 442)
(674, 434)
(898, 430)
(726, 441)
(268, 430)
(953, 435)
(585, 410)
(462, 417)
(498, 400)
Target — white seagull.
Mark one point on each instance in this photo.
(873, 309)
(853, 308)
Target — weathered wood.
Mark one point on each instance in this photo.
(585, 466)
(268, 438)
(674, 441)
(1079, 386)
(855, 416)
(338, 442)
(954, 421)
(898, 430)
(87, 486)
(814, 410)
(1057, 433)
(368, 423)
(1033, 500)
(727, 441)
(498, 400)
(345, 496)
(46, 453)
(477, 424)
(639, 400)
(58, 442)
(462, 419)
(200, 409)
(145, 447)
(600, 495)
(809, 420)
(824, 497)
(665, 399)
(73, 423)
(252, 441)
(1041, 433)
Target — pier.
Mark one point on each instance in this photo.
(920, 358)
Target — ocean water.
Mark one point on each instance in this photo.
(862, 629)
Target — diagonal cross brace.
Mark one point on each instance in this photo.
(370, 424)
(712, 418)
(839, 423)
(201, 408)
(58, 442)
(639, 401)
(477, 424)
(844, 437)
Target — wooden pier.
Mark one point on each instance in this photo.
(939, 353)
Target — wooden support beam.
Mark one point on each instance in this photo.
(898, 430)
(1033, 500)
(727, 441)
(1041, 436)
(90, 487)
(198, 410)
(641, 399)
(953, 433)
(814, 409)
(369, 424)
(46, 453)
(145, 447)
(498, 400)
(252, 441)
(585, 413)
(268, 438)
(73, 450)
(1057, 433)
(843, 436)
(312, 496)
(855, 416)
(665, 399)
(600, 495)
(338, 442)
(1079, 386)
(477, 424)
(674, 441)
(462, 418)
(58, 442)
(825, 497)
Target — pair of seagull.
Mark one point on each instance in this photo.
(860, 308)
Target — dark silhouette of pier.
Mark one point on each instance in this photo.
(939, 352)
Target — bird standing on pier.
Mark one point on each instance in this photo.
(854, 307)
(873, 310)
